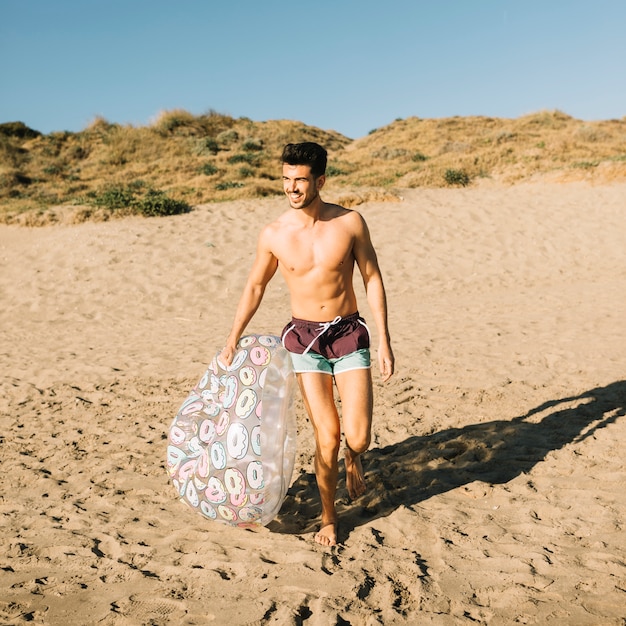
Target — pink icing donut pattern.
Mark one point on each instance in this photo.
(214, 451)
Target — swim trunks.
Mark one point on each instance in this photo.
(339, 345)
(313, 362)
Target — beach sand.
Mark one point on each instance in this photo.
(496, 473)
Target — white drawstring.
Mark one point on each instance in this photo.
(323, 328)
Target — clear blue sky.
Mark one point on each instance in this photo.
(346, 65)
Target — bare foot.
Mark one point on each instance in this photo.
(355, 479)
(327, 534)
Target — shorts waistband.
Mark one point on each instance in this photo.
(308, 334)
(307, 323)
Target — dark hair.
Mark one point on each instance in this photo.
(307, 153)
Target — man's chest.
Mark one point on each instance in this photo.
(314, 249)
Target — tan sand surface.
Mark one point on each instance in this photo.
(497, 471)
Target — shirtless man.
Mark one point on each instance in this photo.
(316, 245)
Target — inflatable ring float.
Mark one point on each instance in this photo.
(232, 445)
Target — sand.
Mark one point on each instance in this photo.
(496, 473)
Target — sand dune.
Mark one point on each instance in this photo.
(496, 472)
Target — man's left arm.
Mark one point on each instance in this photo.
(367, 261)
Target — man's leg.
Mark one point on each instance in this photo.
(317, 393)
(355, 391)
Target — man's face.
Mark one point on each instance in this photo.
(300, 186)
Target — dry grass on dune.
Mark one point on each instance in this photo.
(194, 159)
(214, 157)
(418, 152)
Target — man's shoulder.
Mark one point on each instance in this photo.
(336, 210)
(348, 218)
(274, 228)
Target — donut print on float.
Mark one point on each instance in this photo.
(231, 446)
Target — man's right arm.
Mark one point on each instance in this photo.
(263, 269)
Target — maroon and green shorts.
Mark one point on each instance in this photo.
(329, 347)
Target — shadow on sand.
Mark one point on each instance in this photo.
(493, 452)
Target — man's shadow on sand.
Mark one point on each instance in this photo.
(420, 467)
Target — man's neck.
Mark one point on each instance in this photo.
(312, 213)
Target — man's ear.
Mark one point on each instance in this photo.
(320, 181)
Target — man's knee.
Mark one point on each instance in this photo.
(328, 443)
(359, 443)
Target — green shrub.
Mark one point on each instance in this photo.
(208, 169)
(18, 129)
(252, 145)
(456, 177)
(115, 197)
(136, 185)
(152, 202)
(585, 165)
(418, 156)
(175, 122)
(206, 145)
(246, 172)
(157, 203)
(332, 170)
(228, 136)
(228, 184)
(79, 151)
(54, 169)
(14, 178)
(504, 136)
(244, 157)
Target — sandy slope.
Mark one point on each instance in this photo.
(497, 467)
